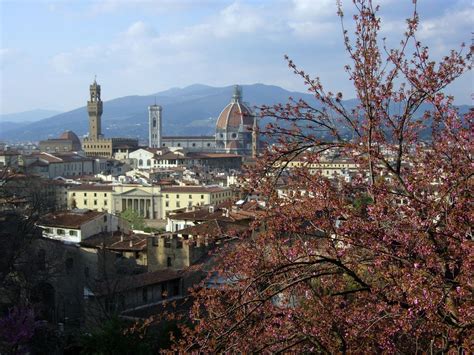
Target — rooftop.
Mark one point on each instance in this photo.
(117, 241)
(92, 187)
(69, 219)
(195, 189)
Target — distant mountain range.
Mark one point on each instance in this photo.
(11, 121)
(192, 110)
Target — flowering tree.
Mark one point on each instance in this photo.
(380, 262)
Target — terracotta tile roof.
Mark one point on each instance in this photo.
(92, 187)
(69, 219)
(169, 155)
(195, 189)
(233, 115)
(117, 241)
(214, 228)
(200, 215)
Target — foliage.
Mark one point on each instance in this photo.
(324, 277)
(136, 221)
(114, 337)
(17, 328)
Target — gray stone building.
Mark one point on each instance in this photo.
(67, 142)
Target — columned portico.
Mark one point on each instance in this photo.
(141, 202)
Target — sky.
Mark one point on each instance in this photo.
(50, 51)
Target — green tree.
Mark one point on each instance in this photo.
(136, 221)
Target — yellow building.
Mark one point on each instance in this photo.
(178, 197)
(93, 197)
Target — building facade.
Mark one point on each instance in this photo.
(67, 142)
(234, 127)
(236, 131)
(182, 197)
(93, 197)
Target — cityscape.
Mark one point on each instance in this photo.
(229, 217)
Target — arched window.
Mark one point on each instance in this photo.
(234, 135)
(148, 162)
(140, 162)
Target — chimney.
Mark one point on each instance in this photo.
(131, 243)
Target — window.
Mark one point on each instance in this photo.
(167, 196)
(47, 230)
(105, 203)
(179, 244)
(85, 202)
(194, 144)
(177, 196)
(95, 202)
(60, 231)
(72, 232)
(179, 144)
(167, 243)
(169, 263)
(148, 162)
(73, 194)
(85, 194)
(140, 162)
(190, 203)
(95, 194)
(208, 144)
(155, 241)
(178, 204)
(190, 196)
(167, 204)
(202, 197)
(234, 135)
(105, 218)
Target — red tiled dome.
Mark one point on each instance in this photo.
(235, 114)
(70, 135)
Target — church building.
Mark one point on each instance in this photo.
(236, 131)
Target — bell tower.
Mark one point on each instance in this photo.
(154, 126)
(94, 108)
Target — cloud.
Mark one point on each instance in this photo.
(9, 56)
(79, 60)
(449, 25)
(313, 9)
(140, 29)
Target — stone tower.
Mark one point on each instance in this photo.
(94, 108)
(255, 138)
(154, 126)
